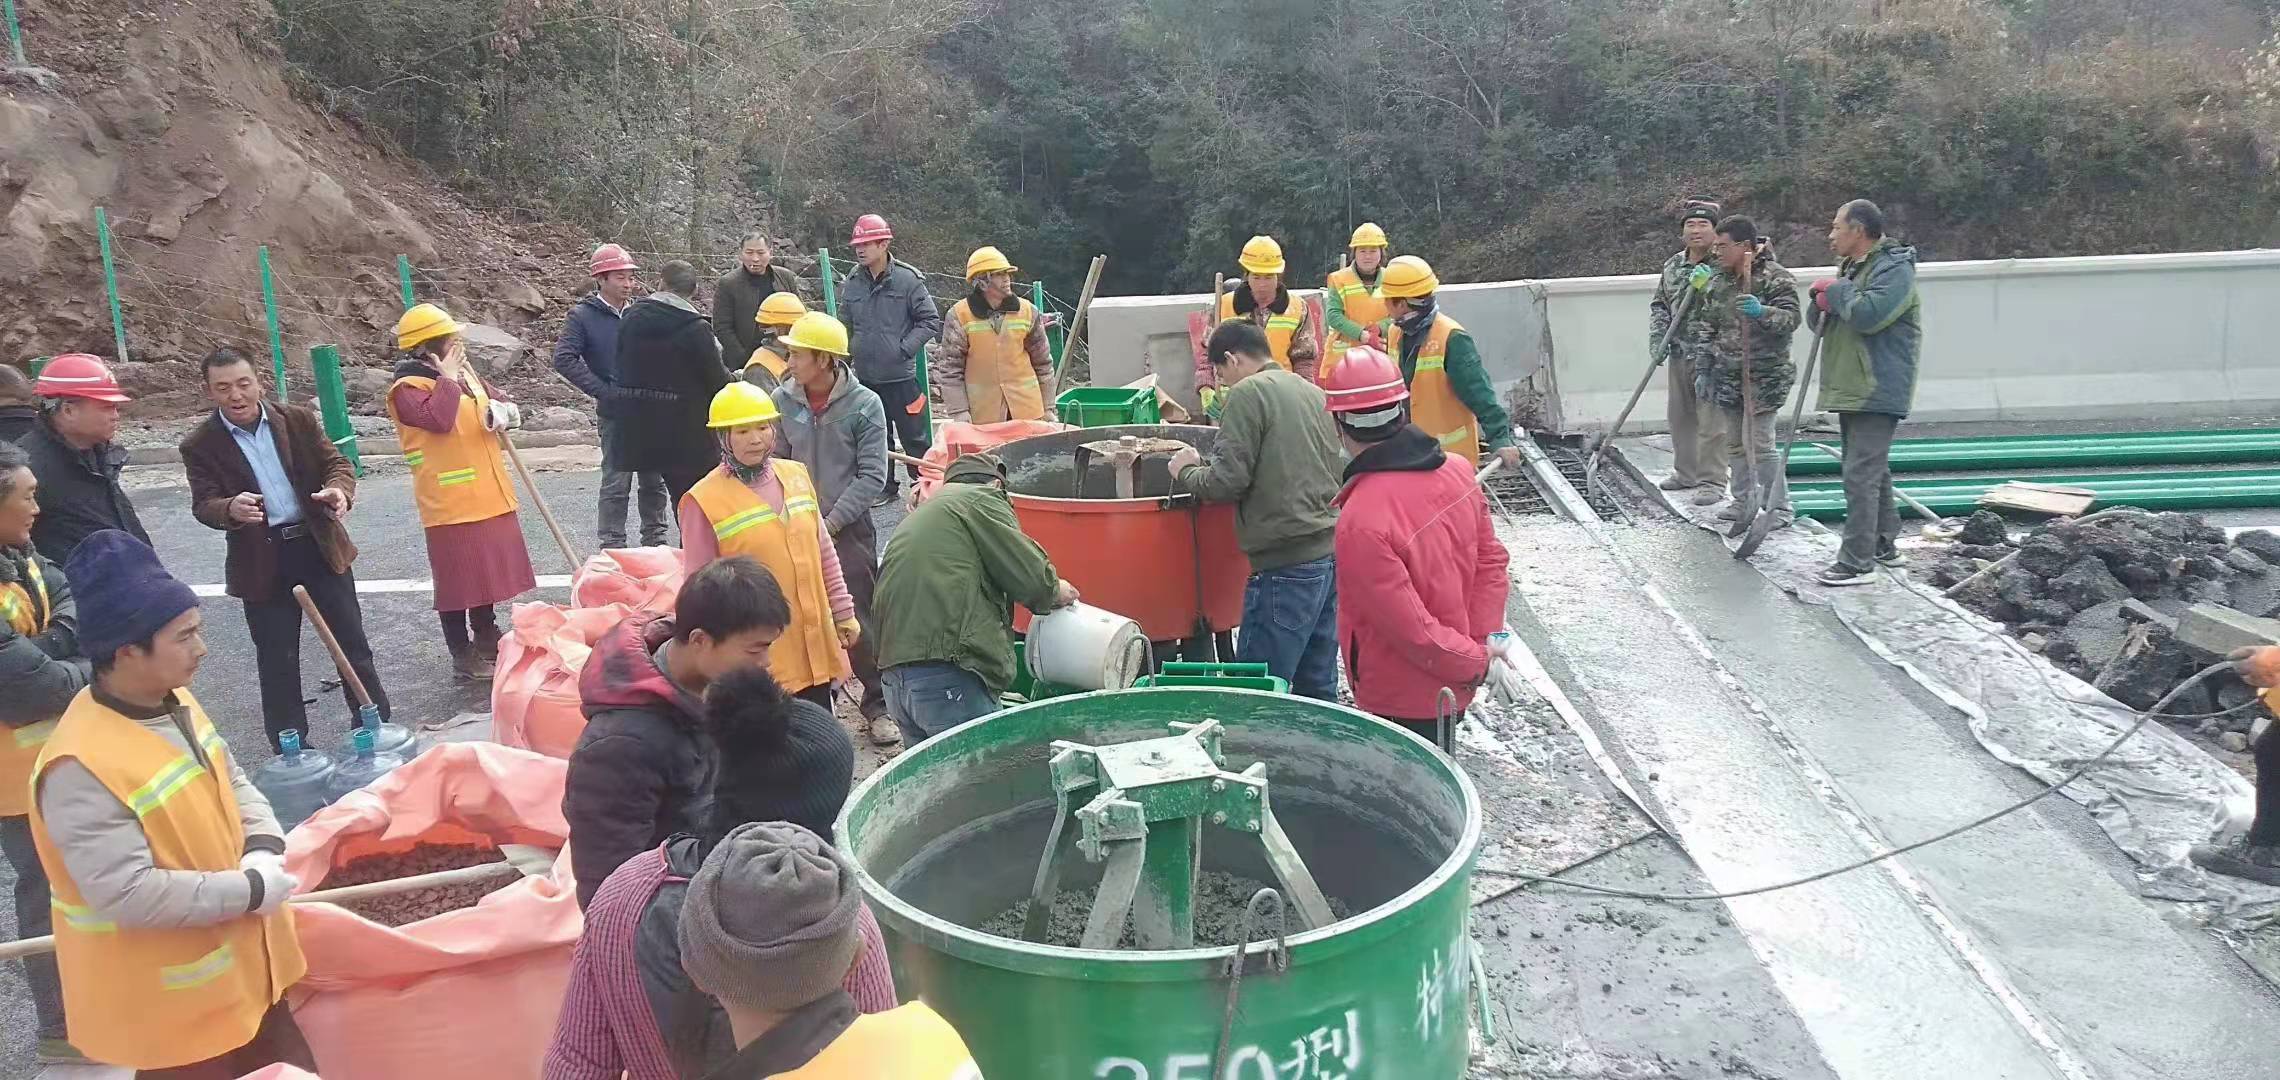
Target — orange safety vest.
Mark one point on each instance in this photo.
(1000, 384)
(911, 1042)
(159, 998)
(1433, 402)
(1280, 328)
(456, 475)
(808, 654)
(766, 368)
(1363, 304)
(27, 608)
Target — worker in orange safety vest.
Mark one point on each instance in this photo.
(1264, 298)
(992, 363)
(1350, 300)
(1450, 395)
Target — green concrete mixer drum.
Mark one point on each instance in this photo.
(1214, 796)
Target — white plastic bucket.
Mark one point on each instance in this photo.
(1087, 648)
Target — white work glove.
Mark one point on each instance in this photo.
(277, 886)
(502, 416)
(255, 860)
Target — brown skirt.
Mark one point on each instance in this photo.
(479, 563)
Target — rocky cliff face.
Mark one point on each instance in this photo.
(180, 121)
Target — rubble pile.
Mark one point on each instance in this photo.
(2101, 598)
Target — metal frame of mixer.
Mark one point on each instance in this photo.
(1146, 823)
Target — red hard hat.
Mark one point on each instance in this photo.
(871, 228)
(1365, 380)
(610, 257)
(81, 376)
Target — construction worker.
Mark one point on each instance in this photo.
(586, 356)
(769, 928)
(1276, 458)
(172, 932)
(75, 457)
(836, 427)
(453, 431)
(266, 475)
(1450, 394)
(1750, 306)
(1350, 301)
(992, 364)
(2255, 855)
(759, 504)
(19, 404)
(1697, 434)
(1421, 573)
(1266, 302)
(44, 667)
(1872, 324)
(891, 316)
(740, 293)
(953, 571)
(770, 358)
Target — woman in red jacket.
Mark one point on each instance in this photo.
(1421, 575)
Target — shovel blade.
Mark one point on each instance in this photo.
(1761, 526)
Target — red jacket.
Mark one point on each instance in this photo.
(1421, 577)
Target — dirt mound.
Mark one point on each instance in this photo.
(180, 121)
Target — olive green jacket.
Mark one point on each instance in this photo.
(950, 578)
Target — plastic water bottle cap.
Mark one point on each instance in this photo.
(289, 743)
(361, 740)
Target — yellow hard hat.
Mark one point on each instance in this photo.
(987, 260)
(741, 403)
(818, 331)
(780, 309)
(1261, 255)
(424, 322)
(1367, 234)
(1408, 277)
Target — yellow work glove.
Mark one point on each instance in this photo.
(850, 632)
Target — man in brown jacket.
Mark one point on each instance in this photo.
(264, 472)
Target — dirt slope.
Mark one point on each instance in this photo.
(179, 119)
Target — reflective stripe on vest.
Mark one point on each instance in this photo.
(457, 476)
(1364, 307)
(789, 545)
(150, 997)
(1000, 383)
(1433, 402)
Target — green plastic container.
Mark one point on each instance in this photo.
(1026, 687)
(949, 834)
(1107, 406)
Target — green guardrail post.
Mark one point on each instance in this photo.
(111, 281)
(830, 287)
(15, 33)
(332, 403)
(37, 363)
(925, 395)
(276, 332)
(404, 278)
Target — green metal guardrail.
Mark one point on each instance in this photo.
(2066, 451)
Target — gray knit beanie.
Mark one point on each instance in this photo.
(769, 920)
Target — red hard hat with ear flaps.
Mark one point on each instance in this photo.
(1365, 380)
(80, 375)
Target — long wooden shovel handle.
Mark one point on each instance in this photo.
(332, 645)
(919, 463)
(545, 512)
(346, 893)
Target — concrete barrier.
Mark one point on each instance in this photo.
(2157, 337)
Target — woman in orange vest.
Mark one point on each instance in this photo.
(1264, 298)
(760, 505)
(452, 431)
(1350, 300)
(1450, 395)
(992, 364)
(770, 359)
(168, 868)
(43, 669)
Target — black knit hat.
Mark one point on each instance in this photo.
(781, 758)
(1701, 209)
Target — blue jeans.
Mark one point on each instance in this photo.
(933, 696)
(1290, 624)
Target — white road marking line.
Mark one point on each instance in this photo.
(395, 585)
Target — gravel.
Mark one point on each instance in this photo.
(405, 908)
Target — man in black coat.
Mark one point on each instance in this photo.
(669, 368)
(75, 458)
(646, 764)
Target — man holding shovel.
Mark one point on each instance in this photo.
(1742, 365)
(1873, 327)
(1697, 459)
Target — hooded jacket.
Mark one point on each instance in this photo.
(79, 492)
(889, 319)
(1421, 577)
(669, 365)
(1873, 342)
(844, 447)
(644, 768)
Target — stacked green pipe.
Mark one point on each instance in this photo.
(2152, 490)
(2064, 451)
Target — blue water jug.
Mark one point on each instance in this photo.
(387, 738)
(294, 780)
(363, 766)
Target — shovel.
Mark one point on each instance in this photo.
(1762, 524)
(1654, 363)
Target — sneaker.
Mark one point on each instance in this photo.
(1673, 483)
(1891, 557)
(1839, 575)
(1708, 494)
(56, 1051)
(887, 497)
(882, 730)
(1730, 512)
(2240, 859)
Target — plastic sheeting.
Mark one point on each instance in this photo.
(2155, 797)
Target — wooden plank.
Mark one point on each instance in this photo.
(2040, 498)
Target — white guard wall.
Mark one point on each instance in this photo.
(2100, 337)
